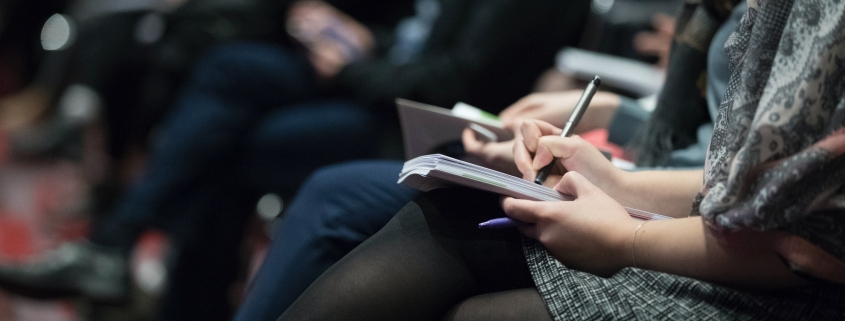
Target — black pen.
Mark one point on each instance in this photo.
(583, 102)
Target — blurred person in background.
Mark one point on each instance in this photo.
(340, 206)
(255, 117)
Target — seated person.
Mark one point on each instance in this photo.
(341, 206)
(757, 238)
(256, 118)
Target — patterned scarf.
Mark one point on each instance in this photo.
(777, 157)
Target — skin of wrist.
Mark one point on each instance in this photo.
(621, 241)
(616, 185)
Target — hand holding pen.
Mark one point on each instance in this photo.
(569, 129)
(530, 151)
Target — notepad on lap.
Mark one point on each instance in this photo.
(434, 171)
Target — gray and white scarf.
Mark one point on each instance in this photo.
(777, 157)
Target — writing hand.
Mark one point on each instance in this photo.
(541, 143)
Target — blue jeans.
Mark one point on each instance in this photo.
(336, 210)
(250, 109)
(251, 120)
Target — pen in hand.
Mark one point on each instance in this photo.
(580, 107)
(569, 128)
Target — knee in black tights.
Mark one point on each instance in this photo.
(429, 258)
(514, 305)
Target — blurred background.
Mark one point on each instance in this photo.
(85, 83)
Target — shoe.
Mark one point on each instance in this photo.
(73, 270)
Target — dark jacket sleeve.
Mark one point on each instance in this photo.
(486, 52)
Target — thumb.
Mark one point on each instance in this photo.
(576, 185)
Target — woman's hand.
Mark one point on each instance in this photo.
(592, 233)
(555, 108)
(540, 144)
(333, 38)
(493, 155)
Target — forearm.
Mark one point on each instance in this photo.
(670, 193)
(687, 247)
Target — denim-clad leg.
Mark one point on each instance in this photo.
(279, 153)
(232, 87)
(290, 143)
(336, 209)
(249, 121)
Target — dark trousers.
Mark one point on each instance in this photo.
(336, 210)
(251, 120)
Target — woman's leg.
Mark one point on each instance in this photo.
(336, 209)
(430, 257)
(522, 304)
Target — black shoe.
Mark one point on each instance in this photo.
(72, 270)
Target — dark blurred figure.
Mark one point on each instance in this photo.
(257, 117)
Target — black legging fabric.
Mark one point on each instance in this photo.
(430, 262)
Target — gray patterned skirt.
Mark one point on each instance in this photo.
(647, 295)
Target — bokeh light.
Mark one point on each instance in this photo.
(150, 28)
(269, 206)
(58, 33)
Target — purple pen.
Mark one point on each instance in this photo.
(502, 222)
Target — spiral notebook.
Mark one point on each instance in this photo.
(434, 171)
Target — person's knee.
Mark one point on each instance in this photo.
(520, 304)
(224, 65)
(324, 182)
(349, 178)
(318, 202)
(339, 203)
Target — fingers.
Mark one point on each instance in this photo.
(519, 107)
(327, 57)
(532, 130)
(525, 149)
(523, 210)
(543, 155)
(564, 148)
(576, 185)
(530, 212)
(471, 144)
(523, 160)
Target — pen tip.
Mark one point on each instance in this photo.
(597, 80)
(482, 225)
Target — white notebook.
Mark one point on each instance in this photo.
(434, 171)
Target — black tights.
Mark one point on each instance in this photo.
(430, 262)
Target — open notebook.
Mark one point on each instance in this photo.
(434, 171)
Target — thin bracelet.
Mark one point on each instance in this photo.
(634, 242)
